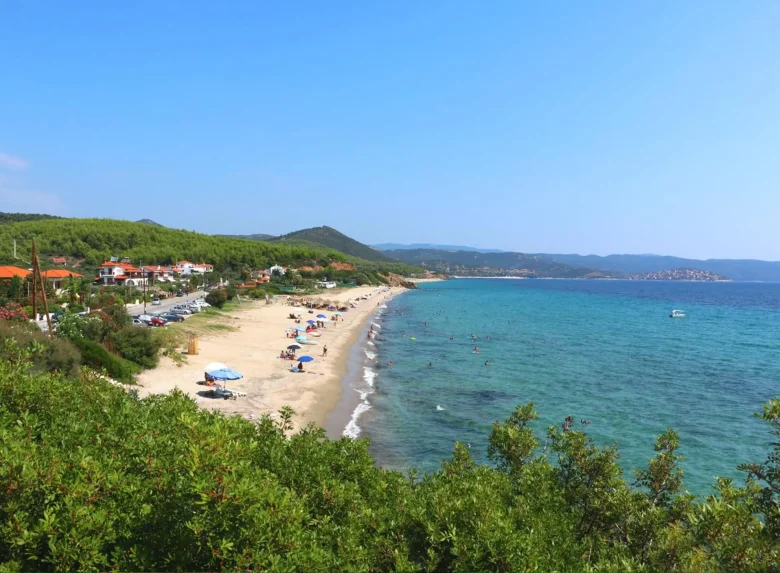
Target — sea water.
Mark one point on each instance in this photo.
(605, 352)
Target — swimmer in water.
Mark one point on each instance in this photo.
(476, 350)
(487, 363)
(430, 364)
(452, 338)
(389, 363)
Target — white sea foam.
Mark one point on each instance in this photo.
(368, 375)
(370, 355)
(353, 430)
(439, 408)
(375, 325)
(371, 343)
(383, 306)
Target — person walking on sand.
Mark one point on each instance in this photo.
(324, 351)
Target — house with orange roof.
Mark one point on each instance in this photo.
(9, 272)
(57, 276)
(120, 273)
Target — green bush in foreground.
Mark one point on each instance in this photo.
(93, 479)
(97, 356)
(137, 344)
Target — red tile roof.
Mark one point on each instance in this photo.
(10, 272)
(59, 260)
(59, 274)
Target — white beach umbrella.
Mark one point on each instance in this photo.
(211, 366)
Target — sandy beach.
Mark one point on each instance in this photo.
(251, 342)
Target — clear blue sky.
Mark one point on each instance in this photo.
(589, 127)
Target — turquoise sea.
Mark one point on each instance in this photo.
(602, 351)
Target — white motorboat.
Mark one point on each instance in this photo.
(676, 313)
(304, 340)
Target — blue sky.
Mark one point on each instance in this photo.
(589, 127)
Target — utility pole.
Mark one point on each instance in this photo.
(37, 277)
(143, 277)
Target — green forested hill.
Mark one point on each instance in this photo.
(18, 217)
(95, 240)
(331, 238)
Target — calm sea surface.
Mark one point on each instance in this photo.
(602, 351)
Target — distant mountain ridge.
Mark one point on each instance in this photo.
(150, 222)
(735, 269)
(413, 246)
(472, 263)
(255, 237)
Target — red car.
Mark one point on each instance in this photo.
(157, 322)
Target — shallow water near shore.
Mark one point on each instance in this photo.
(601, 351)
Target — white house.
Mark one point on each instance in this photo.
(280, 270)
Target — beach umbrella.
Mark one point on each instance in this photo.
(337, 313)
(305, 359)
(225, 374)
(294, 347)
(321, 316)
(311, 321)
(214, 366)
(298, 328)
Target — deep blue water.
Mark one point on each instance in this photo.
(602, 351)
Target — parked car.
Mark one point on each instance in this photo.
(172, 317)
(156, 302)
(157, 321)
(180, 293)
(181, 309)
(194, 308)
(138, 322)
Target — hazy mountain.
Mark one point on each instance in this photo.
(401, 247)
(735, 269)
(256, 237)
(150, 222)
(472, 263)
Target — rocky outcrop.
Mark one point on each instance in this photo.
(399, 281)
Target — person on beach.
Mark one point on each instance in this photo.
(300, 366)
(324, 351)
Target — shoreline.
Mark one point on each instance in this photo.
(249, 340)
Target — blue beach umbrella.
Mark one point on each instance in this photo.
(311, 321)
(321, 316)
(225, 374)
(305, 359)
(298, 328)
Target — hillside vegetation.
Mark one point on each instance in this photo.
(18, 217)
(331, 238)
(94, 479)
(95, 240)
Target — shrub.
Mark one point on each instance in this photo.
(13, 312)
(45, 354)
(73, 326)
(96, 355)
(137, 344)
(217, 298)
